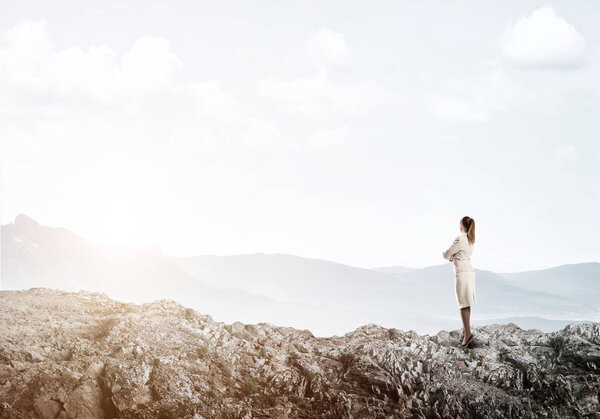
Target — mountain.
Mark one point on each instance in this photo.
(85, 355)
(545, 325)
(298, 279)
(34, 255)
(394, 269)
(496, 296)
(326, 297)
(579, 281)
(419, 299)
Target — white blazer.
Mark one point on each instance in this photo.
(459, 253)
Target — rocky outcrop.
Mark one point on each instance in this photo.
(83, 355)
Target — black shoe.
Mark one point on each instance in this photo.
(462, 336)
(467, 343)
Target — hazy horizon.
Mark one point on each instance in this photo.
(290, 290)
(157, 246)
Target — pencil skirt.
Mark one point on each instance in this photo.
(464, 285)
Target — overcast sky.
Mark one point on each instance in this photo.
(358, 132)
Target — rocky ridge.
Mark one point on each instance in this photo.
(84, 355)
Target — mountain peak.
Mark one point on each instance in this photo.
(25, 221)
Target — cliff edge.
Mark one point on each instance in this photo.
(84, 355)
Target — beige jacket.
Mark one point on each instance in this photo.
(460, 254)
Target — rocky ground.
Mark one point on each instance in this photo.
(83, 355)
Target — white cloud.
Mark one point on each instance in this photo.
(318, 95)
(328, 137)
(210, 98)
(329, 47)
(566, 152)
(476, 99)
(455, 109)
(544, 40)
(97, 93)
(150, 62)
(143, 95)
(30, 39)
(258, 132)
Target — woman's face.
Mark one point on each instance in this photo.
(462, 228)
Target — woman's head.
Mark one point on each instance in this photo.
(467, 225)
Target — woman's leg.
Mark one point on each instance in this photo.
(465, 314)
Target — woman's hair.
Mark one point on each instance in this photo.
(469, 225)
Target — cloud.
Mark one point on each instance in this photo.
(97, 94)
(566, 152)
(318, 93)
(329, 47)
(544, 40)
(476, 99)
(31, 63)
(150, 62)
(210, 98)
(327, 137)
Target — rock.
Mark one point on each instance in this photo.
(46, 408)
(110, 359)
(34, 354)
(509, 341)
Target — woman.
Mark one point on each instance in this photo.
(459, 253)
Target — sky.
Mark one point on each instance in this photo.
(357, 132)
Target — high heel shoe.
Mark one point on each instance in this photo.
(467, 343)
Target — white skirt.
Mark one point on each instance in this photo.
(464, 285)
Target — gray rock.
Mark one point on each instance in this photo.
(161, 359)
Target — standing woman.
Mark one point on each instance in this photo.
(459, 253)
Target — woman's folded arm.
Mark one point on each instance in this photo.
(452, 249)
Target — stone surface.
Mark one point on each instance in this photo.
(83, 355)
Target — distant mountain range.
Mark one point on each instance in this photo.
(394, 269)
(325, 297)
(579, 281)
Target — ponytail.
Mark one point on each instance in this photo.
(469, 225)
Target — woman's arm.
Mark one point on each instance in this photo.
(454, 247)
